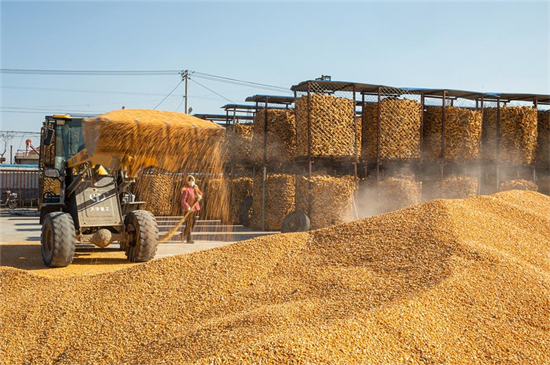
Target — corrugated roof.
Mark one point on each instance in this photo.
(333, 86)
(275, 99)
(249, 107)
(222, 117)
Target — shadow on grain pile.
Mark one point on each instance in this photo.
(458, 281)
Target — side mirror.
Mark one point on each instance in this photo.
(48, 137)
(52, 173)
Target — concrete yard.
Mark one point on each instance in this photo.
(20, 244)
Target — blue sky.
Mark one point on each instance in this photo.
(492, 46)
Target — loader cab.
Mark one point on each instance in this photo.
(62, 137)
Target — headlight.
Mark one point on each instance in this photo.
(53, 173)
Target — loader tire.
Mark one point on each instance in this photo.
(244, 211)
(45, 210)
(58, 239)
(297, 221)
(144, 245)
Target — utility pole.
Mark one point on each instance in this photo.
(6, 137)
(185, 76)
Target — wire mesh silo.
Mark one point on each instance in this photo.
(542, 156)
(510, 138)
(452, 142)
(240, 171)
(392, 121)
(272, 151)
(328, 142)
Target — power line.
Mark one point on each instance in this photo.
(14, 71)
(89, 113)
(56, 107)
(205, 75)
(86, 91)
(181, 102)
(220, 95)
(170, 93)
(247, 84)
(272, 89)
(18, 71)
(45, 110)
(82, 91)
(200, 75)
(40, 109)
(18, 132)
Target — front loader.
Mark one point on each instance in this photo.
(84, 202)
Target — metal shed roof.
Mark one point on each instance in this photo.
(326, 86)
(247, 107)
(332, 86)
(222, 117)
(239, 106)
(275, 99)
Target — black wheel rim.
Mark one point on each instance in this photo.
(133, 245)
(49, 239)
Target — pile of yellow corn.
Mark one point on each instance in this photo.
(445, 282)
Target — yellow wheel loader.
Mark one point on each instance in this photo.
(83, 202)
(88, 166)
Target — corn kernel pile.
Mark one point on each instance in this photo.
(448, 281)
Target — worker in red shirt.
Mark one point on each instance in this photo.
(191, 195)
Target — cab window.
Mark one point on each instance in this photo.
(69, 141)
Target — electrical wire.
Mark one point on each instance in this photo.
(181, 102)
(246, 84)
(170, 93)
(17, 132)
(18, 71)
(271, 89)
(220, 95)
(229, 79)
(86, 91)
(196, 74)
(212, 77)
(88, 113)
(20, 143)
(41, 109)
(57, 107)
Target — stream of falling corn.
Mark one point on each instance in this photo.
(165, 148)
